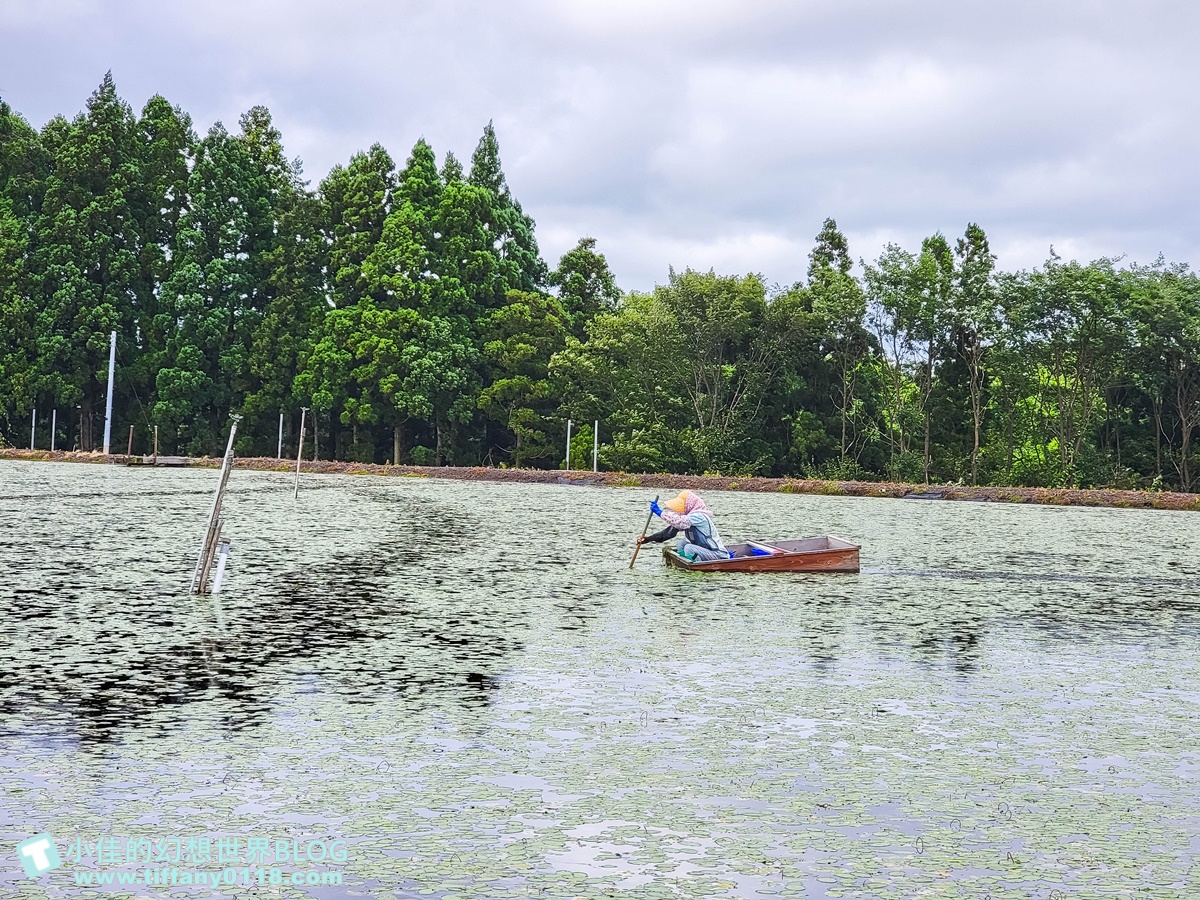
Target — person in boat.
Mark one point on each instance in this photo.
(689, 517)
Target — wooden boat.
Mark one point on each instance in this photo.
(814, 554)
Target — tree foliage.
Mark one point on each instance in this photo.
(410, 310)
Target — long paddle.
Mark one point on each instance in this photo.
(644, 530)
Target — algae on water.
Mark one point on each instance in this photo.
(465, 684)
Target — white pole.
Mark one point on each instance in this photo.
(112, 368)
(53, 428)
(596, 448)
(299, 450)
(221, 560)
(213, 533)
(32, 427)
(279, 454)
(568, 445)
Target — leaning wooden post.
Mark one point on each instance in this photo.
(299, 451)
(212, 537)
(129, 449)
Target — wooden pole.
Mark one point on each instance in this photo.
(32, 427)
(129, 449)
(279, 453)
(299, 451)
(638, 548)
(568, 445)
(53, 428)
(156, 445)
(596, 448)
(211, 547)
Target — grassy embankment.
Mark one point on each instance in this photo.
(1048, 496)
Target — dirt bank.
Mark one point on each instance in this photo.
(1051, 496)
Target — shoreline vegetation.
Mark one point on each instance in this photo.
(1093, 497)
(402, 310)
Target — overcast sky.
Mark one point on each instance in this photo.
(704, 134)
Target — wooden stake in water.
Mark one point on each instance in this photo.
(299, 450)
(129, 449)
(568, 445)
(279, 453)
(212, 537)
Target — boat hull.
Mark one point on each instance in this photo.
(819, 554)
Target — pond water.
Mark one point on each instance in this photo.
(465, 683)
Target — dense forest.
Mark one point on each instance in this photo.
(409, 309)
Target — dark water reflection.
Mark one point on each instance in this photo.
(94, 648)
(449, 669)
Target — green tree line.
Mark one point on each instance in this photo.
(408, 307)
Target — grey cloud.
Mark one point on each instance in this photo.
(710, 134)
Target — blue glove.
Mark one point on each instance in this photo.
(655, 508)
